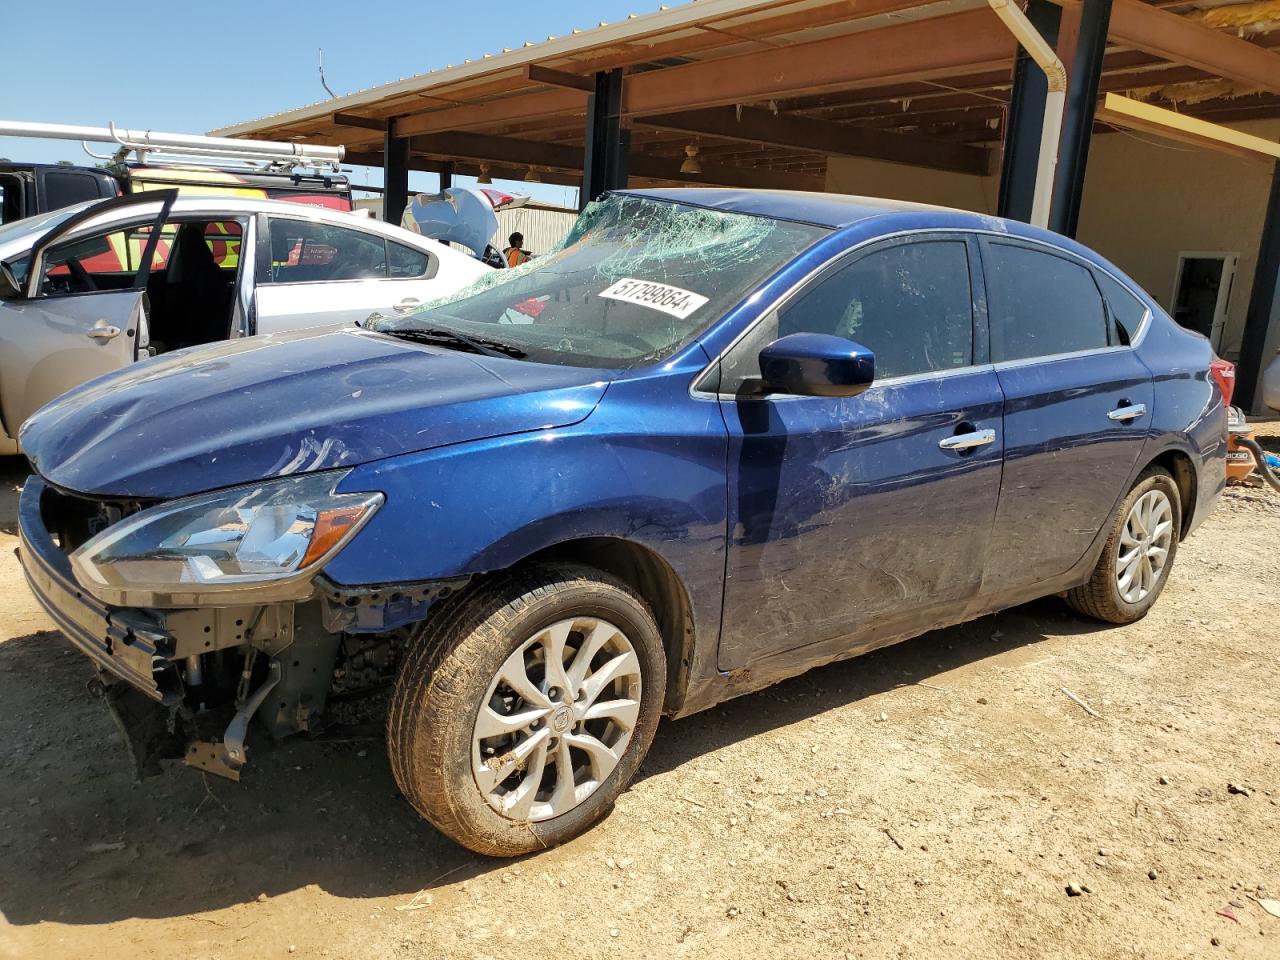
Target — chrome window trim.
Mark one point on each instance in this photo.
(781, 299)
(1054, 357)
(905, 380)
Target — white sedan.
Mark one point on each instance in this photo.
(87, 289)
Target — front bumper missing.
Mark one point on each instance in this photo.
(120, 643)
(136, 652)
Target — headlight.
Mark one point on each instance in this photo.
(250, 544)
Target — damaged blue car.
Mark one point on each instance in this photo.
(715, 439)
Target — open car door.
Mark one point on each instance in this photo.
(84, 303)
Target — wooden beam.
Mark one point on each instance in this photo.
(530, 106)
(802, 133)
(1136, 115)
(462, 168)
(1182, 40)
(369, 158)
(519, 155)
(478, 146)
(920, 49)
(558, 78)
(724, 175)
(744, 26)
(351, 120)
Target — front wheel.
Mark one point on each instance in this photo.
(1135, 563)
(525, 707)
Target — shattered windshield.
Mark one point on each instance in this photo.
(634, 281)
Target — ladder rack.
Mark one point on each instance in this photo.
(279, 155)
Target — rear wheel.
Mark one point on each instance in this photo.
(525, 708)
(1140, 550)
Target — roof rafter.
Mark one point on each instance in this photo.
(820, 136)
(1183, 40)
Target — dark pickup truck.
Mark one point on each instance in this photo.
(30, 188)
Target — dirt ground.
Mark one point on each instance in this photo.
(932, 800)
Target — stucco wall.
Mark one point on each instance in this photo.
(1145, 201)
(874, 178)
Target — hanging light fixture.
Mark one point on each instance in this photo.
(484, 174)
(691, 162)
(532, 176)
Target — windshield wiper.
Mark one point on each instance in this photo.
(481, 345)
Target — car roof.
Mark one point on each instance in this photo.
(195, 203)
(199, 203)
(839, 211)
(833, 210)
(187, 204)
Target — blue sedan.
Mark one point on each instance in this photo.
(715, 439)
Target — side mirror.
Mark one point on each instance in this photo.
(10, 289)
(816, 365)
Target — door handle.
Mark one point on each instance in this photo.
(405, 305)
(1127, 412)
(102, 331)
(968, 441)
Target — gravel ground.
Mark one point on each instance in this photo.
(932, 800)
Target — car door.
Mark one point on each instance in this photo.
(314, 273)
(83, 313)
(852, 519)
(1077, 409)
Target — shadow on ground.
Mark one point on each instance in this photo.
(324, 813)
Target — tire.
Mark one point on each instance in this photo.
(469, 657)
(1102, 596)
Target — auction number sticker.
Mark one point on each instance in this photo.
(658, 296)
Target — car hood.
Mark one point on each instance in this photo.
(246, 410)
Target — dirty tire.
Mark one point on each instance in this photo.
(446, 673)
(1100, 596)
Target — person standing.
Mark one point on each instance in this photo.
(515, 253)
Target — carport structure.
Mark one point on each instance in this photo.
(781, 93)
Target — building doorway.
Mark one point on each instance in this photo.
(1202, 292)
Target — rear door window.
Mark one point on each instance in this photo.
(307, 252)
(1041, 304)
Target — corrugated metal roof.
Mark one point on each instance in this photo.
(665, 22)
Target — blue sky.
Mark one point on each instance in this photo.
(190, 67)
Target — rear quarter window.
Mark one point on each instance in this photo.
(1127, 311)
(404, 262)
(1041, 304)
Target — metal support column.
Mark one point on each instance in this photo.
(1262, 303)
(608, 143)
(446, 175)
(1083, 77)
(1025, 119)
(395, 174)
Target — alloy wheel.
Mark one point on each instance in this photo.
(1143, 551)
(556, 719)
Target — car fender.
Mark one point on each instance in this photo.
(647, 467)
